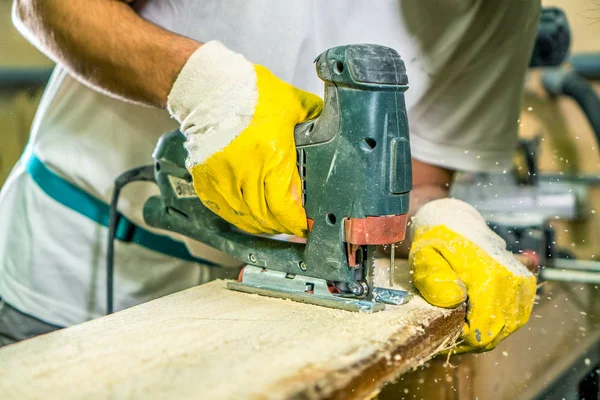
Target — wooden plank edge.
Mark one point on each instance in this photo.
(364, 378)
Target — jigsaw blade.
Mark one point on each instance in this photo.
(392, 263)
(370, 267)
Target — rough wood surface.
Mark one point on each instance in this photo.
(212, 343)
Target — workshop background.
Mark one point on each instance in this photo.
(23, 74)
(557, 354)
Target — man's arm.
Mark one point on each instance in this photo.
(106, 45)
(213, 92)
(430, 182)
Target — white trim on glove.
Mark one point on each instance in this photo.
(213, 98)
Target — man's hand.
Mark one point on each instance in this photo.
(455, 258)
(239, 122)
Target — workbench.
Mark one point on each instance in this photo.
(554, 356)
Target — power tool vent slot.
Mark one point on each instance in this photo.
(301, 164)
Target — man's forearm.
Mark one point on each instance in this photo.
(430, 182)
(419, 196)
(105, 44)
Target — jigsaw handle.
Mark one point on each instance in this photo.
(355, 165)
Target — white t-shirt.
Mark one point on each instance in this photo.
(465, 61)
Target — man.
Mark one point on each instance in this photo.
(220, 69)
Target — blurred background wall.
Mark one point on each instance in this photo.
(21, 65)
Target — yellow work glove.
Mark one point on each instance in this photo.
(455, 257)
(239, 119)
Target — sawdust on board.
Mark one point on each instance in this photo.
(205, 341)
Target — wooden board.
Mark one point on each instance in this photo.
(212, 343)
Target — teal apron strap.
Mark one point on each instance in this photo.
(87, 205)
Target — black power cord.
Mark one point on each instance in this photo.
(145, 173)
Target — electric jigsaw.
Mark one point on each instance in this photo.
(355, 165)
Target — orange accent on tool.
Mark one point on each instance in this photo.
(376, 230)
(352, 254)
(241, 274)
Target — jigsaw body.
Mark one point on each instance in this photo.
(355, 165)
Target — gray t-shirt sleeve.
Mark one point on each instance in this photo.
(467, 118)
